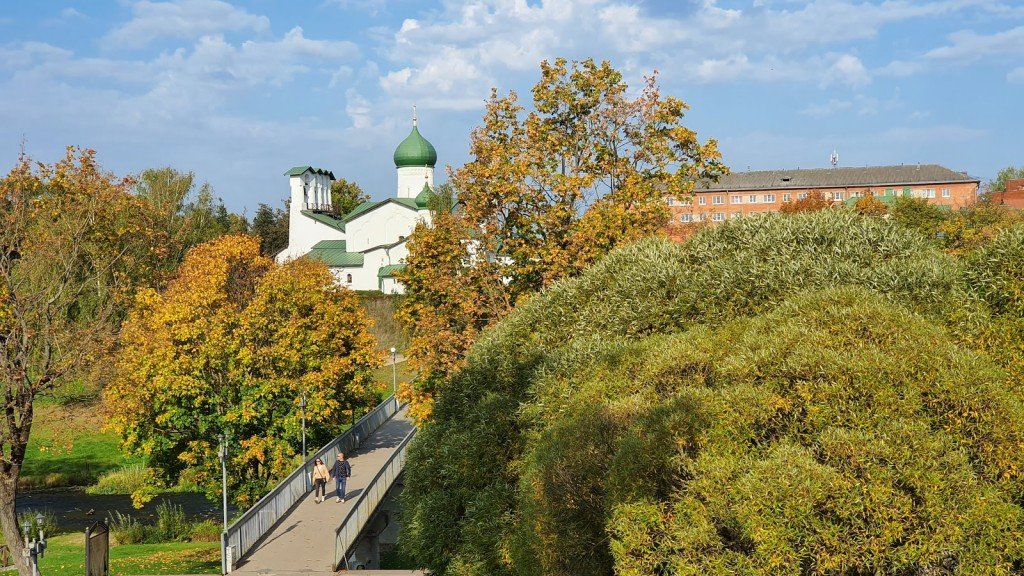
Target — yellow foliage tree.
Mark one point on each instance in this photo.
(229, 348)
(547, 192)
(73, 246)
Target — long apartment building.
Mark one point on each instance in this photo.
(745, 193)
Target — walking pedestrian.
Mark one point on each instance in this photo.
(341, 471)
(320, 474)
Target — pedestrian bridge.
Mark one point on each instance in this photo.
(287, 532)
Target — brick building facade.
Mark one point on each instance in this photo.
(1013, 197)
(746, 193)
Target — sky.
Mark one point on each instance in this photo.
(238, 92)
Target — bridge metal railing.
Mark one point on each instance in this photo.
(347, 533)
(244, 532)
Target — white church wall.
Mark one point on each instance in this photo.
(391, 286)
(305, 233)
(307, 190)
(411, 179)
(383, 225)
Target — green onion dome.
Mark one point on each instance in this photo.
(415, 151)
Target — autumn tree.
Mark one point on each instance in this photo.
(345, 196)
(230, 348)
(270, 225)
(814, 200)
(547, 192)
(72, 246)
(998, 184)
(187, 216)
(868, 205)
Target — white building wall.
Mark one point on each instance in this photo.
(365, 277)
(303, 232)
(412, 178)
(383, 225)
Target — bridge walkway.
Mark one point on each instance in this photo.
(303, 540)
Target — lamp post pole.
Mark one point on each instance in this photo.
(34, 549)
(394, 375)
(302, 406)
(222, 453)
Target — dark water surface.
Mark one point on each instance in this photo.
(75, 510)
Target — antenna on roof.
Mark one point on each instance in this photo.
(414, 115)
(834, 158)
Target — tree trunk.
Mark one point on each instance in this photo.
(9, 524)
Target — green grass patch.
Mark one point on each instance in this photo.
(65, 556)
(382, 377)
(381, 309)
(69, 447)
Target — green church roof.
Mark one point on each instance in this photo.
(424, 196)
(327, 219)
(335, 258)
(389, 270)
(300, 170)
(415, 151)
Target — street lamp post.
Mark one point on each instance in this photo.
(394, 375)
(222, 453)
(302, 407)
(34, 549)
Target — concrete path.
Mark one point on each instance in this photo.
(303, 541)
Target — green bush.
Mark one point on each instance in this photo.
(125, 480)
(128, 530)
(48, 525)
(205, 531)
(778, 395)
(171, 525)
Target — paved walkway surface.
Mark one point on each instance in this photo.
(303, 541)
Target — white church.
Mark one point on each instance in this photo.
(366, 247)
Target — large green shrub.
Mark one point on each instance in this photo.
(722, 407)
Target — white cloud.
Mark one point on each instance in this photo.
(181, 19)
(900, 69)
(847, 69)
(968, 46)
(71, 14)
(1016, 76)
(827, 109)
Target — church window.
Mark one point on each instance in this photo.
(348, 278)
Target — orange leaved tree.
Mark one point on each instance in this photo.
(547, 192)
(73, 245)
(230, 348)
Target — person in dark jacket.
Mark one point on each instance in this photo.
(341, 471)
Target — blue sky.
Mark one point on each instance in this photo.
(238, 92)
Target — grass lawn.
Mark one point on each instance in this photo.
(65, 556)
(382, 376)
(68, 447)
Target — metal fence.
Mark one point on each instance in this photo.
(348, 532)
(243, 533)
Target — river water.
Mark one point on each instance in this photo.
(75, 510)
